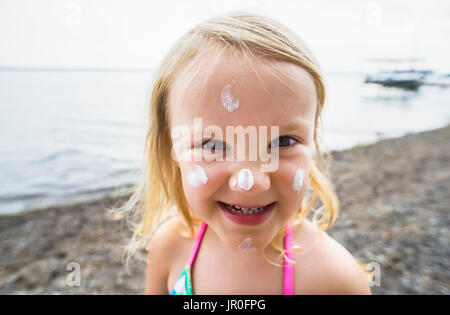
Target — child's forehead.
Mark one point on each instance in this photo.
(231, 89)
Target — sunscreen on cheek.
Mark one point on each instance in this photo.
(196, 176)
(298, 180)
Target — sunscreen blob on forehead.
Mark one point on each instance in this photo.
(229, 100)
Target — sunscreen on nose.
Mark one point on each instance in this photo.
(245, 179)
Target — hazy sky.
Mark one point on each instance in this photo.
(136, 33)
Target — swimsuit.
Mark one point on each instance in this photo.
(183, 285)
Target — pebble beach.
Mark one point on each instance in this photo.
(394, 197)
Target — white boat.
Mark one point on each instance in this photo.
(408, 79)
(437, 80)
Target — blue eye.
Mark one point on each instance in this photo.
(283, 141)
(213, 145)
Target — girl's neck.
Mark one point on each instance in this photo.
(246, 256)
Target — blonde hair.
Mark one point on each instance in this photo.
(159, 193)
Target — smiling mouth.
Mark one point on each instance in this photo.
(237, 209)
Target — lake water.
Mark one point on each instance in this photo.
(76, 135)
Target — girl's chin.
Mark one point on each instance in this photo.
(243, 233)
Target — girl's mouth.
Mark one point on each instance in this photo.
(246, 216)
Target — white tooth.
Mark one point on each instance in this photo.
(245, 209)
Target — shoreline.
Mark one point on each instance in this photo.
(394, 211)
(109, 192)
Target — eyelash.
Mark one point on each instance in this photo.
(270, 144)
(289, 137)
(210, 141)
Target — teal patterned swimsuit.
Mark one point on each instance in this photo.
(183, 285)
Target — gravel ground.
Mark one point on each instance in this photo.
(395, 212)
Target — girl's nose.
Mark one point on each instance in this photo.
(250, 180)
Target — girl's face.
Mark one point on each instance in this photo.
(275, 94)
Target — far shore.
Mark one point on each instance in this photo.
(394, 198)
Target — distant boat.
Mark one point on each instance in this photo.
(441, 80)
(407, 79)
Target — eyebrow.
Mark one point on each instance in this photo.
(300, 125)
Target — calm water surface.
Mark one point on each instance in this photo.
(76, 135)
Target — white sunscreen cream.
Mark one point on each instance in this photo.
(229, 101)
(246, 245)
(196, 175)
(245, 179)
(298, 180)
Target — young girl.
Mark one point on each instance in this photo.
(214, 219)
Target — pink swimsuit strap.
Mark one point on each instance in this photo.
(196, 246)
(288, 274)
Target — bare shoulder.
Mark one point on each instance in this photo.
(326, 267)
(163, 251)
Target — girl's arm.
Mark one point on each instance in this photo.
(333, 270)
(156, 274)
(159, 260)
(345, 274)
